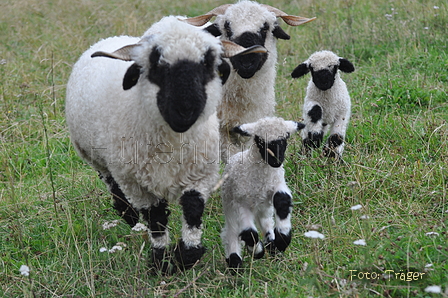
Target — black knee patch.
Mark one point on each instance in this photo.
(193, 207)
(186, 257)
(315, 113)
(282, 204)
(282, 241)
(314, 140)
(158, 219)
(234, 261)
(121, 204)
(249, 236)
(335, 140)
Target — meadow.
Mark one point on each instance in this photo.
(390, 192)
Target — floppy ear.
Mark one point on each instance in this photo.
(280, 33)
(345, 65)
(293, 126)
(131, 77)
(213, 29)
(240, 131)
(300, 70)
(300, 126)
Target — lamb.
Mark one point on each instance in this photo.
(327, 102)
(254, 186)
(249, 94)
(142, 112)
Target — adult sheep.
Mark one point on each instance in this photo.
(142, 112)
(249, 93)
(327, 105)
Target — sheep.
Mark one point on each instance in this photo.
(254, 186)
(249, 94)
(142, 112)
(327, 104)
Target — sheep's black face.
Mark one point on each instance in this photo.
(182, 96)
(247, 65)
(273, 152)
(324, 78)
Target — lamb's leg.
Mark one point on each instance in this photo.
(283, 207)
(313, 133)
(121, 204)
(158, 220)
(265, 221)
(231, 241)
(334, 146)
(189, 249)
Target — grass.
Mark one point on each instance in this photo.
(52, 205)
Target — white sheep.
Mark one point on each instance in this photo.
(146, 121)
(249, 93)
(254, 187)
(327, 105)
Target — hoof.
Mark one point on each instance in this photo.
(161, 261)
(256, 251)
(186, 257)
(234, 262)
(282, 241)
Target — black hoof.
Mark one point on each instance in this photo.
(186, 257)
(282, 241)
(162, 262)
(234, 262)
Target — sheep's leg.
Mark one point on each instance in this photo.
(189, 249)
(158, 220)
(231, 241)
(283, 207)
(266, 223)
(335, 143)
(121, 204)
(313, 133)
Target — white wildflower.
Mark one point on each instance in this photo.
(426, 28)
(103, 249)
(364, 217)
(356, 207)
(24, 270)
(314, 234)
(107, 225)
(436, 7)
(433, 289)
(432, 233)
(360, 242)
(428, 265)
(115, 248)
(388, 16)
(139, 227)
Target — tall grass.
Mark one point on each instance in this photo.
(52, 205)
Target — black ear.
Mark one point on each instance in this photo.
(131, 77)
(300, 126)
(213, 29)
(280, 33)
(224, 71)
(238, 130)
(300, 70)
(345, 65)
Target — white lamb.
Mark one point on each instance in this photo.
(327, 102)
(249, 93)
(254, 187)
(146, 121)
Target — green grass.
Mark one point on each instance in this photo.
(52, 205)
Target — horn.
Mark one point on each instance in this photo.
(232, 49)
(201, 20)
(123, 53)
(290, 20)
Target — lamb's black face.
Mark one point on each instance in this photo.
(324, 79)
(182, 95)
(247, 65)
(277, 147)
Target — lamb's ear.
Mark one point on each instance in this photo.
(300, 126)
(345, 65)
(131, 77)
(280, 33)
(293, 126)
(241, 131)
(213, 29)
(300, 70)
(224, 71)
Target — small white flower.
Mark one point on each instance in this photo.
(360, 242)
(428, 265)
(314, 234)
(436, 7)
(107, 225)
(432, 233)
(433, 289)
(388, 16)
(115, 248)
(364, 217)
(139, 227)
(24, 270)
(356, 207)
(103, 249)
(426, 28)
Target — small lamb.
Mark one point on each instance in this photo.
(327, 102)
(254, 186)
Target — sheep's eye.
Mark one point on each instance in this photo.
(227, 29)
(265, 28)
